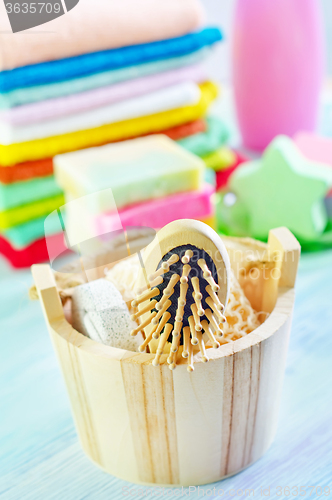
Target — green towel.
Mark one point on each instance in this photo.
(23, 235)
(21, 193)
(205, 143)
(24, 213)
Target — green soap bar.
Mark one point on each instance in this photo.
(24, 213)
(23, 235)
(205, 143)
(136, 170)
(283, 189)
(20, 193)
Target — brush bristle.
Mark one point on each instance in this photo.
(176, 315)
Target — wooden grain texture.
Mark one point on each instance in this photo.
(198, 408)
(241, 385)
(151, 425)
(41, 458)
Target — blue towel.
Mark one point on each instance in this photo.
(89, 64)
(19, 97)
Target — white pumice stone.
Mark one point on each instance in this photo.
(99, 312)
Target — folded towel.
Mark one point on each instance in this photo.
(26, 171)
(172, 97)
(34, 253)
(92, 27)
(38, 93)
(185, 130)
(23, 235)
(98, 62)
(160, 211)
(220, 159)
(43, 168)
(45, 148)
(91, 99)
(20, 193)
(134, 171)
(24, 213)
(205, 143)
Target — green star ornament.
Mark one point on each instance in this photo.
(283, 188)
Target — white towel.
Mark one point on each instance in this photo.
(172, 97)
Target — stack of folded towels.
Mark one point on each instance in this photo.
(96, 76)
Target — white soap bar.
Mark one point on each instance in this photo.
(99, 312)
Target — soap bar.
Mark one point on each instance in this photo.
(99, 312)
(283, 189)
(157, 213)
(136, 170)
(20, 193)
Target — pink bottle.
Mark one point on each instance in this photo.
(277, 68)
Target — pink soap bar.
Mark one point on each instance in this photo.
(315, 147)
(159, 212)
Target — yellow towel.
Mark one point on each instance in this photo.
(24, 213)
(43, 148)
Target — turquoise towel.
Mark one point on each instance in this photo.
(204, 143)
(97, 62)
(21, 193)
(23, 235)
(38, 93)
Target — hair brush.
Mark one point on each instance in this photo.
(183, 289)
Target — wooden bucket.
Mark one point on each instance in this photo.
(155, 426)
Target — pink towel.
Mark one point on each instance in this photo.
(97, 25)
(84, 101)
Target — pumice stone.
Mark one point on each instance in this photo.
(99, 312)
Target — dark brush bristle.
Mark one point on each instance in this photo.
(195, 271)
